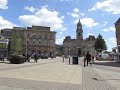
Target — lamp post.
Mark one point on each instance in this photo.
(26, 44)
(63, 54)
(69, 53)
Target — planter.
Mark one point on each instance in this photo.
(17, 59)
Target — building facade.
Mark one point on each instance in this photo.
(4, 47)
(35, 39)
(116, 50)
(6, 33)
(79, 46)
(117, 26)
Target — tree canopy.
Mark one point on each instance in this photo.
(17, 46)
(100, 44)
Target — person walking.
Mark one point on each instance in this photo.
(88, 58)
(28, 57)
(51, 56)
(35, 57)
(63, 57)
(92, 59)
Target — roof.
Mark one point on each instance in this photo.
(117, 21)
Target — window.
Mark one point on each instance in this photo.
(34, 36)
(45, 42)
(118, 49)
(28, 35)
(45, 36)
(27, 42)
(33, 41)
(40, 37)
(51, 36)
(51, 43)
(39, 41)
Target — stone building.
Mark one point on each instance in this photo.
(38, 39)
(79, 46)
(6, 33)
(116, 50)
(117, 26)
(4, 47)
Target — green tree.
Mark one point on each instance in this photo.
(17, 44)
(100, 44)
(59, 48)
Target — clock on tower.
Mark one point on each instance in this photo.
(79, 31)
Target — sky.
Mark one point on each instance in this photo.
(97, 17)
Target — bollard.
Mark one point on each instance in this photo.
(69, 60)
(63, 59)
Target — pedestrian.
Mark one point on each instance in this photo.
(51, 56)
(88, 58)
(35, 57)
(63, 57)
(92, 59)
(28, 57)
(69, 58)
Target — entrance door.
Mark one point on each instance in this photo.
(79, 52)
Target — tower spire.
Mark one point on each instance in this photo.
(79, 20)
(79, 23)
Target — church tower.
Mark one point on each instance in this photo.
(79, 31)
(79, 39)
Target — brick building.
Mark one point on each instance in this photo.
(38, 39)
(117, 26)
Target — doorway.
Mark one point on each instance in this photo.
(79, 52)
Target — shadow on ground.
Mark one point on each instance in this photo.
(108, 63)
(104, 79)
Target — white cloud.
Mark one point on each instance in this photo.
(60, 40)
(90, 34)
(73, 14)
(111, 42)
(65, 0)
(105, 23)
(60, 37)
(5, 24)
(112, 6)
(88, 22)
(109, 29)
(63, 29)
(92, 9)
(44, 17)
(76, 13)
(76, 10)
(31, 8)
(3, 4)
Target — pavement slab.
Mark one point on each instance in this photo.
(47, 74)
(54, 74)
(91, 80)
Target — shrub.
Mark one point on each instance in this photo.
(17, 59)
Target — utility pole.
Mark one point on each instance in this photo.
(26, 44)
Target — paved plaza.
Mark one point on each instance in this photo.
(54, 74)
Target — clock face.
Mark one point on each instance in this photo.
(79, 27)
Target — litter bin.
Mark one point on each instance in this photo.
(75, 60)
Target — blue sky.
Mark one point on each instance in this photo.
(97, 16)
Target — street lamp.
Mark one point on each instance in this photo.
(69, 53)
(26, 44)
